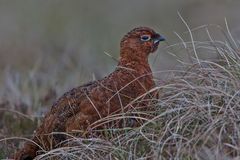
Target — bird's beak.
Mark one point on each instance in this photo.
(158, 38)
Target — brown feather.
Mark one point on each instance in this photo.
(82, 106)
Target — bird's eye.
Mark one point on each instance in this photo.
(145, 38)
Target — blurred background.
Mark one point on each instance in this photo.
(49, 36)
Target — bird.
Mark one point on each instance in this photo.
(84, 105)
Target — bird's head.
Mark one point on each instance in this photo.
(141, 39)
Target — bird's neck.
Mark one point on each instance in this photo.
(135, 60)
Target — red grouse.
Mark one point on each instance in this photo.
(84, 105)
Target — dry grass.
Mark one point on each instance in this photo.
(197, 115)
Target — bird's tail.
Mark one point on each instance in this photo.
(28, 152)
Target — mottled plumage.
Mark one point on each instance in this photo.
(82, 106)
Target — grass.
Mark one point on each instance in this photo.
(197, 114)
